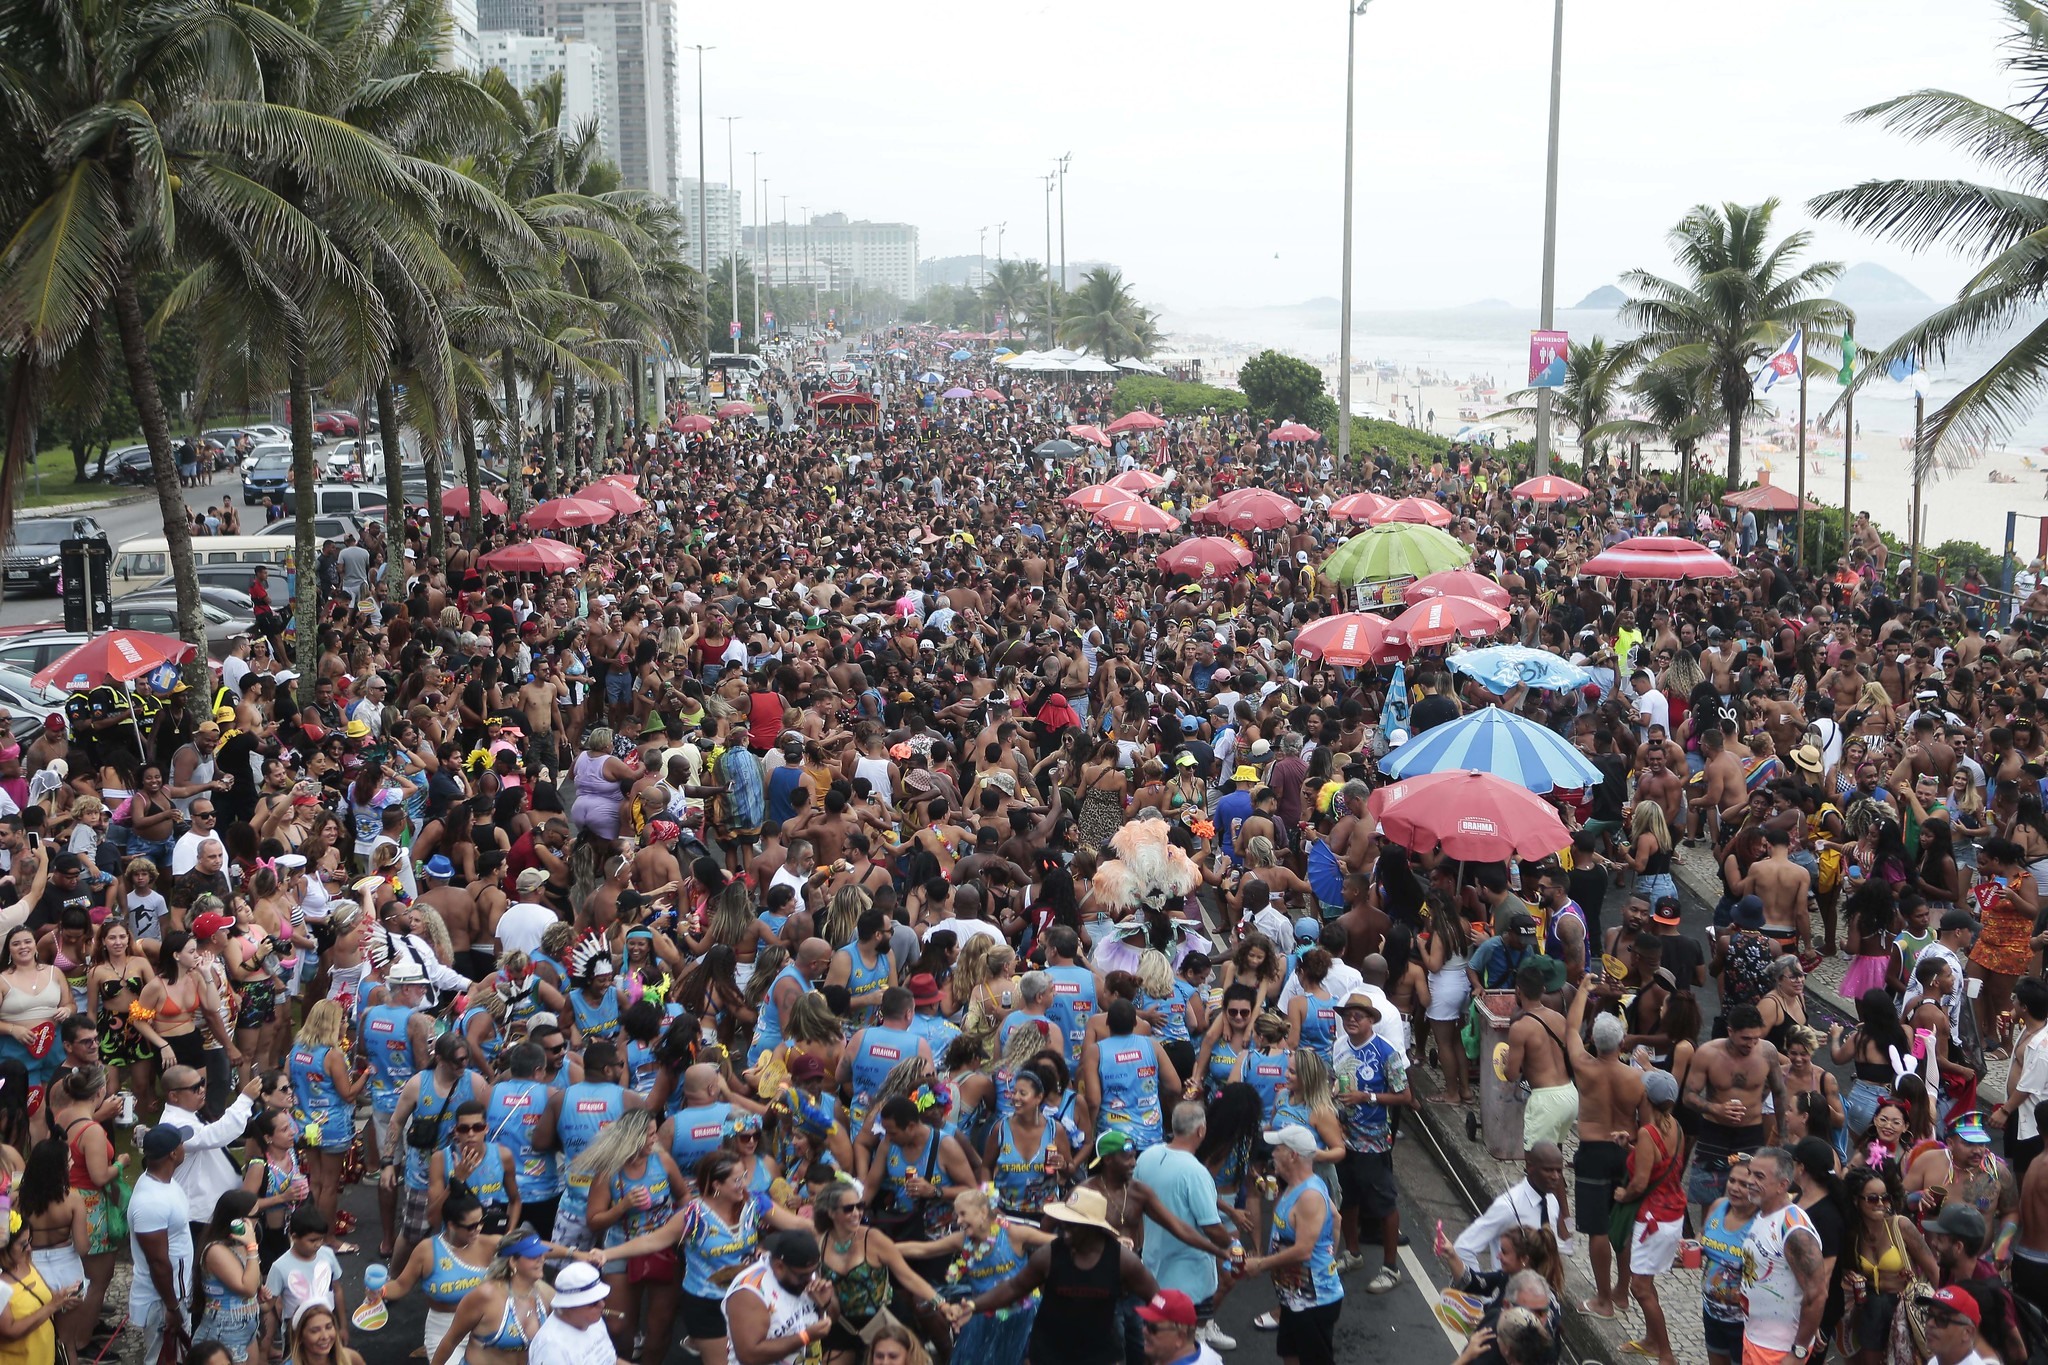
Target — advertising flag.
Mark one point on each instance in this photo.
(1784, 362)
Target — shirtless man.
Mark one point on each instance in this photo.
(1844, 682)
(1351, 840)
(1717, 661)
(1536, 1054)
(1782, 885)
(1721, 786)
(468, 932)
(1929, 755)
(540, 701)
(1610, 1110)
(1658, 783)
(1725, 1086)
(2030, 1250)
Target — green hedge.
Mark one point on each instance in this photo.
(1171, 397)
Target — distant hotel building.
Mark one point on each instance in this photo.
(462, 35)
(527, 61)
(722, 205)
(831, 251)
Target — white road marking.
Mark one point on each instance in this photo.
(1413, 1264)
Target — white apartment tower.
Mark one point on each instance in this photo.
(638, 41)
(527, 61)
(722, 206)
(462, 35)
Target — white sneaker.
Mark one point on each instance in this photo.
(1346, 1261)
(1213, 1335)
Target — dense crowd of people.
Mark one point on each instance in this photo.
(868, 909)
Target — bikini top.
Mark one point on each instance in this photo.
(511, 1333)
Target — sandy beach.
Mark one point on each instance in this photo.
(1966, 504)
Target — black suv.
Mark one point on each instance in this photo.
(32, 561)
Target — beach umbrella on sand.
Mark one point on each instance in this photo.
(1548, 488)
(1457, 583)
(117, 656)
(1440, 620)
(1092, 435)
(696, 421)
(736, 408)
(1502, 668)
(1137, 518)
(624, 501)
(455, 503)
(559, 514)
(1471, 815)
(1251, 509)
(1056, 449)
(1398, 549)
(1206, 557)
(1359, 506)
(1658, 557)
(1491, 740)
(1097, 495)
(1138, 420)
(1350, 639)
(1422, 511)
(1138, 482)
(534, 556)
(1294, 431)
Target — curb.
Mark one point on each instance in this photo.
(1698, 885)
(64, 509)
(1456, 1156)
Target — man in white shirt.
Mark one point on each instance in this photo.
(574, 1333)
(1537, 1202)
(1651, 707)
(159, 1241)
(205, 824)
(525, 920)
(206, 1173)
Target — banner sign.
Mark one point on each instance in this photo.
(1546, 359)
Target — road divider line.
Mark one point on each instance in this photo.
(1428, 1288)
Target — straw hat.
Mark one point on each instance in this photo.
(1807, 757)
(1083, 1208)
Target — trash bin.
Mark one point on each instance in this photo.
(1500, 1107)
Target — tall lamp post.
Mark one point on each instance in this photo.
(1064, 159)
(755, 190)
(981, 273)
(1051, 338)
(703, 222)
(1352, 11)
(1550, 230)
(732, 187)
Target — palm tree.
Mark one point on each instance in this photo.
(1015, 291)
(1999, 226)
(1742, 297)
(1102, 316)
(130, 130)
(1594, 373)
(1679, 406)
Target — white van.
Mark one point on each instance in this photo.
(141, 562)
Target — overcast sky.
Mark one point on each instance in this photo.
(1207, 138)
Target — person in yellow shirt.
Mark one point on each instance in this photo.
(1626, 638)
(27, 1334)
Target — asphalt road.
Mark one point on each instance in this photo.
(128, 520)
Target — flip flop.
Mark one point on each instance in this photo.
(1266, 1322)
(1586, 1307)
(346, 1249)
(1639, 1348)
(1440, 1099)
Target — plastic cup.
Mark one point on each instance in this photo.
(374, 1278)
(1975, 987)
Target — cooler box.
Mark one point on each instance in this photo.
(1500, 1109)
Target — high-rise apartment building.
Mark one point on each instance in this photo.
(512, 16)
(722, 206)
(462, 35)
(881, 255)
(527, 61)
(638, 40)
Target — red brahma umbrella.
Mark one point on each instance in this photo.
(736, 408)
(1294, 431)
(455, 503)
(1457, 583)
(1352, 639)
(534, 556)
(1470, 815)
(696, 421)
(1359, 506)
(559, 514)
(1424, 511)
(1658, 557)
(1097, 495)
(1206, 557)
(117, 656)
(1083, 432)
(624, 501)
(1440, 620)
(1138, 482)
(1139, 518)
(1548, 488)
(1139, 420)
(1251, 509)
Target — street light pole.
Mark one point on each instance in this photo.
(1352, 11)
(1051, 339)
(785, 243)
(731, 187)
(703, 235)
(1069, 156)
(1550, 230)
(981, 272)
(755, 193)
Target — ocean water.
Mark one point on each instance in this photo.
(1459, 344)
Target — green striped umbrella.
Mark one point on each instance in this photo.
(1397, 549)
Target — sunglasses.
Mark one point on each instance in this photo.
(477, 1226)
(1877, 1199)
(471, 1127)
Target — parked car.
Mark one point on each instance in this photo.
(268, 473)
(129, 464)
(334, 423)
(36, 650)
(19, 694)
(324, 528)
(159, 613)
(351, 454)
(31, 559)
(233, 600)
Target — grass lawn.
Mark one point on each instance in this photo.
(48, 483)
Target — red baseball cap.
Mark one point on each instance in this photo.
(1169, 1305)
(1955, 1300)
(209, 924)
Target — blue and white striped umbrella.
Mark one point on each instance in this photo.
(1505, 667)
(1498, 742)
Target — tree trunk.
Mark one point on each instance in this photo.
(1685, 483)
(510, 440)
(430, 461)
(305, 557)
(1736, 400)
(394, 492)
(600, 444)
(170, 496)
(545, 388)
(473, 474)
